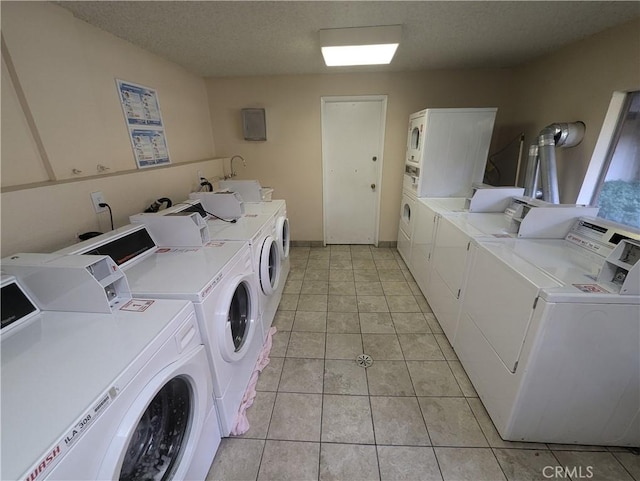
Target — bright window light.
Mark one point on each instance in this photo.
(359, 54)
(359, 45)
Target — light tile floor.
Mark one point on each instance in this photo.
(412, 415)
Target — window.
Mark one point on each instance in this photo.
(613, 179)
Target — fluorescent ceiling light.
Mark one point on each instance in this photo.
(359, 45)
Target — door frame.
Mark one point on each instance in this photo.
(353, 98)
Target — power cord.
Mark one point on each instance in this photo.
(202, 209)
(493, 167)
(230, 221)
(103, 204)
(205, 183)
(155, 207)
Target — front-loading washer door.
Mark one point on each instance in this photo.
(282, 231)
(237, 318)
(160, 418)
(240, 316)
(159, 437)
(269, 269)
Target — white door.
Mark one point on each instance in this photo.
(352, 146)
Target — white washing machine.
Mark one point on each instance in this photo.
(281, 233)
(122, 395)
(258, 231)
(550, 345)
(454, 231)
(218, 279)
(263, 222)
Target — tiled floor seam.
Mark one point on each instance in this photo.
(266, 436)
(373, 424)
(324, 366)
(624, 467)
(485, 431)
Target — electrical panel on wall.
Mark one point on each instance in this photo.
(254, 124)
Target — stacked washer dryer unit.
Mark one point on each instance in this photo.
(551, 343)
(218, 278)
(95, 384)
(258, 231)
(447, 152)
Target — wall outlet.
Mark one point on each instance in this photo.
(97, 198)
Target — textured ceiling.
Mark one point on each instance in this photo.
(238, 38)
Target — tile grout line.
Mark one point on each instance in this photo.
(273, 408)
(404, 356)
(366, 374)
(623, 466)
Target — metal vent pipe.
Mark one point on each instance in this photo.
(542, 158)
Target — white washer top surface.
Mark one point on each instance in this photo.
(245, 229)
(560, 259)
(479, 225)
(573, 269)
(476, 225)
(266, 208)
(182, 272)
(55, 368)
(445, 205)
(502, 249)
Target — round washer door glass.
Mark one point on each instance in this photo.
(284, 238)
(240, 316)
(269, 266)
(157, 443)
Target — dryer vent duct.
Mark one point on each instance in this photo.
(541, 164)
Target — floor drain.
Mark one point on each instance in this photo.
(364, 360)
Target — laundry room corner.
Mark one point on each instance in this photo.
(290, 160)
(64, 135)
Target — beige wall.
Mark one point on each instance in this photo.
(573, 83)
(47, 218)
(576, 83)
(79, 127)
(58, 88)
(290, 160)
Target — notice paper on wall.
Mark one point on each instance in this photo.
(142, 114)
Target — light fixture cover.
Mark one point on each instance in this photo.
(359, 45)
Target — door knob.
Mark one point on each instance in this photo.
(373, 186)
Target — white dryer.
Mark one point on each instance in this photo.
(258, 231)
(218, 279)
(122, 395)
(408, 210)
(550, 345)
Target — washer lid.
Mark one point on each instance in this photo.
(56, 371)
(183, 273)
(265, 208)
(244, 229)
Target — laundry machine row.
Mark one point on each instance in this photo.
(264, 225)
(218, 278)
(530, 321)
(551, 343)
(444, 231)
(102, 385)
